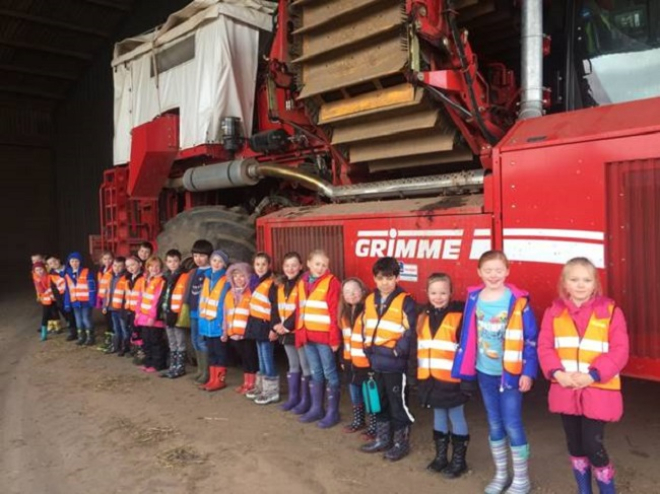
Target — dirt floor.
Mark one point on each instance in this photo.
(76, 421)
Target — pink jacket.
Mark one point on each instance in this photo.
(151, 319)
(593, 403)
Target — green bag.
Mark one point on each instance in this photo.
(371, 396)
(183, 321)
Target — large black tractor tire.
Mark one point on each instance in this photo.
(231, 230)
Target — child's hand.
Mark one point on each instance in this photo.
(272, 336)
(525, 384)
(564, 379)
(582, 380)
(104, 310)
(224, 338)
(334, 348)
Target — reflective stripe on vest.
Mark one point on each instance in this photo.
(132, 295)
(514, 340)
(435, 354)
(389, 328)
(356, 344)
(346, 333)
(209, 300)
(59, 282)
(176, 300)
(314, 314)
(286, 306)
(104, 280)
(260, 305)
(149, 294)
(119, 293)
(78, 291)
(237, 317)
(577, 355)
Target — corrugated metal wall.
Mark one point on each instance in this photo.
(84, 131)
(28, 195)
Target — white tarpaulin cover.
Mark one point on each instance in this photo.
(219, 81)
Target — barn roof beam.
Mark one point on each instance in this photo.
(38, 72)
(44, 21)
(46, 49)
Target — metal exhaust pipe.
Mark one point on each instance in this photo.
(531, 105)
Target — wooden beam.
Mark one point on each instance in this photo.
(37, 72)
(108, 4)
(45, 21)
(46, 49)
(31, 92)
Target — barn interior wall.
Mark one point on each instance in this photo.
(84, 131)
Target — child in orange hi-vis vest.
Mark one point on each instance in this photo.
(259, 329)
(35, 258)
(172, 302)
(583, 347)
(355, 362)
(317, 329)
(498, 350)
(134, 282)
(113, 304)
(389, 327)
(437, 335)
(283, 322)
(44, 286)
(103, 279)
(147, 316)
(57, 272)
(236, 314)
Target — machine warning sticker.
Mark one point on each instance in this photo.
(408, 272)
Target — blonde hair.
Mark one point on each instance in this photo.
(440, 277)
(318, 252)
(493, 255)
(585, 263)
(154, 260)
(344, 310)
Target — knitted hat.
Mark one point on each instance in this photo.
(202, 247)
(38, 264)
(221, 254)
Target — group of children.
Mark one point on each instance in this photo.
(447, 347)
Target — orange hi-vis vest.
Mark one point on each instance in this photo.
(286, 306)
(149, 293)
(176, 300)
(237, 316)
(209, 300)
(435, 354)
(387, 329)
(45, 295)
(313, 313)
(119, 293)
(133, 294)
(354, 343)
(104, 280)
(260, 305)
(58, 280)
(514, 340)
(79, 291)
(577, 354)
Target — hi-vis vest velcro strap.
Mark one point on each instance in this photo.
(514, 340)
(354, 340)
(132, 294)
(260, 306)
(209, 301)
(176, 300)
(435, 354)
(78, 290)
(149, 294)
(313, 313)
(237, 316)
(387, 329)
(119, 293)
(286, 306)
(577, 354)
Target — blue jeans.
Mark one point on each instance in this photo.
(83, 317)
(443, 416)
(197, 339)
(322, 363)
(119, 326)
(503, 409)
(355, 390)
(266, 352)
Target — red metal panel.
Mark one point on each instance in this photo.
(556, 204)
(633, 213)
(424, 240)
(154, 145)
